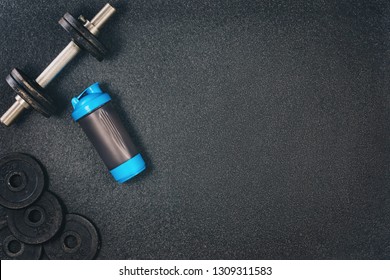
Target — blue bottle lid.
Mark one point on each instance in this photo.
(129, 169)
(88, 101)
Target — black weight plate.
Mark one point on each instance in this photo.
(12, 249)
(25, 95)
(83, 37)
(21, 180)
(92, 39)
(38, 222)
(31, 92)
(3, 216)
(34, 90)
(77, 241)
(79, 40)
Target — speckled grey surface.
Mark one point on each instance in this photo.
(265, 125)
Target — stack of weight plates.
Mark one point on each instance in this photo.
(32, 219)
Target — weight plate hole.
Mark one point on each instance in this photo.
(70, 241)
(14, 246)
(16, 181)
(35, 216)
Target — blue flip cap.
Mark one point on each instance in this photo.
(88, 101)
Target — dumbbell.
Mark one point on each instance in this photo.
(31, 93)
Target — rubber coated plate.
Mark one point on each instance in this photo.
(13, 249)
(31, 92)
(78, 241)
(38, 222)
(21, 180)
(83, 37)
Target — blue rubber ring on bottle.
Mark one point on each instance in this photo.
(129, 169)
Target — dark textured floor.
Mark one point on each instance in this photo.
(264, 124)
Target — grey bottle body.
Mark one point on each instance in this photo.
(108, 135)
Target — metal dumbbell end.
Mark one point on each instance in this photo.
(31, 93)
